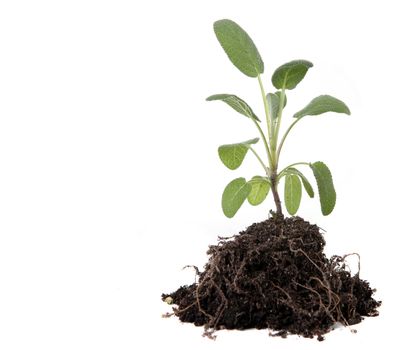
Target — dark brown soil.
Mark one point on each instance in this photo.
(274, 275)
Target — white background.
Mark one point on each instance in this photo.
(110, 180)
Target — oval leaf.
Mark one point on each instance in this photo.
(306, 184)
(290, 74)
(236, 103)
(260, 190)
(239, 47)
(327, 194)
(232, 155)
(234, 195)
(323, 104)
(293, 193)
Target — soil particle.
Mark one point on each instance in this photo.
(274, 275)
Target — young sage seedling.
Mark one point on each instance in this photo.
(243, 53)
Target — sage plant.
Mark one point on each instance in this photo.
(243, 53)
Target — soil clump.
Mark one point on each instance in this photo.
(274, 275)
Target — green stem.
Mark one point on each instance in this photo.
(259, 159)
(277, 127)
(284, 137)
(265, 103)
(265, 142)
(291, 165)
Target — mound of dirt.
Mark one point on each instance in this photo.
(274, 275)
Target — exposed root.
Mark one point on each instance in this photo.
(193, 267)
(197, 272)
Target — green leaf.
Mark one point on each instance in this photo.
(327, 194)
(236, 103)
(293, 193)
(234, 195)
(232, 155)
(290, 74)
(260, 189)
(306, 184)
(239, 47)
(323, 104)
(273, 103)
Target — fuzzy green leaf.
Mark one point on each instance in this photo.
(239, 47)
(293, 193)
(260, 189)
(232, 155)
(323, 104)
(236, 103)
(290, 74)
(327, 194)
(234, 195)
(273, 103)
(306, 184)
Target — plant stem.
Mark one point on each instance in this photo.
(271, 150)
(265, 143)
(274, 180)
(265, 103)
(291, 165)
(260, 160)
(274, 188)
(284, 137)
(277, 127)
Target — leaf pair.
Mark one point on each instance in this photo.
(289, 75)
(238, 190)
(242, 52)
(293, 188)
